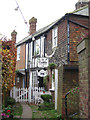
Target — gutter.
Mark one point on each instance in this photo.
(47, 28)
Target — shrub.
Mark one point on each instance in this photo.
(45, 82)
(46, 98)
(10, 101)
(52, 66)
(46, 106)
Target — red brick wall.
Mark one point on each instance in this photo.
(61, 51)
(77, 33)
(80, 20)
(62, 31)
(84, 80)
(21, 63)
(67, 79)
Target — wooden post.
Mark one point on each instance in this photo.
(56, 87)
(14, 91)
(19, 94)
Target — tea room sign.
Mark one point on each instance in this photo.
(42, 62)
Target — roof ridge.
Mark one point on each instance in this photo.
(80, 9)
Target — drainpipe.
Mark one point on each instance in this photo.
(44, 44)
(27, 63)
(28, 52)
(68, 40)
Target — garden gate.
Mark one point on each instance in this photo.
(28, 94)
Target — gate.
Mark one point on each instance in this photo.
(31, 94)
(19, 94)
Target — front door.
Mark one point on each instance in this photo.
(40, 81)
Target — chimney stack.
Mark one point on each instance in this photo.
(32, 23)
(81, 3)
(13, 36)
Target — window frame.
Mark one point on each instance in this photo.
(54, 37)
(37, 47)
(18, 53)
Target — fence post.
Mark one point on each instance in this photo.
(29, 94)
(19, 94)
(26, 94)
(14, 91)
(11, 94)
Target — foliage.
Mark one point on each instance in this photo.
(7, 112)
(17, 109)
(8, 64)
(10, 111)
(45, 81)
(17, 71)
(44, 114)
(46, 106)
(52, 66)
(46, 98)
(73, 102)
(10, 101)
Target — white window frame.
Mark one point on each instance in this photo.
(26, 55)
(37, 47)
(54, 37)
(18, 53)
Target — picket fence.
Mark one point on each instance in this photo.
(31, 94)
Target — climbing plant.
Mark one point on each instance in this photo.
(8, 65)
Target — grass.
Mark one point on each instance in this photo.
(18, 109)
(43, 114)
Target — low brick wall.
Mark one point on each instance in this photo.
(67, 79)
(84, 77)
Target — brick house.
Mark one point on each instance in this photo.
(55, 43)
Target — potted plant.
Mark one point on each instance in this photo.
(52, 66)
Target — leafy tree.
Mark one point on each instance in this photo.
(8, 66)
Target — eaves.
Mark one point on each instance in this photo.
(47, 28)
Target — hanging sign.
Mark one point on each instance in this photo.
(42, 73)
(42, 62)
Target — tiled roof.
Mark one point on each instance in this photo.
(45, 29)
(40, 31)
(82, 11)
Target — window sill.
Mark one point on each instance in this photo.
(34, 56)
(52, 89)
(17, 60)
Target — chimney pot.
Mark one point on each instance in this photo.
(81, 3)
(32, 23)
(33, 20)
(13, 35)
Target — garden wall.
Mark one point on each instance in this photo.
(67, 79)
(83, 50)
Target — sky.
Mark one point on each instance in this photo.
(46, 12)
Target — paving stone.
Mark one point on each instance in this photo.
(27, 112)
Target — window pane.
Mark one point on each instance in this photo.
(18, 53)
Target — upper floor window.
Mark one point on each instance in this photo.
(18, 53)
(37, 47)
(54, 37)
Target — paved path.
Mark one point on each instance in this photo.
(27, 112)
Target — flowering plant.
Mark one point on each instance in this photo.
(7, 112)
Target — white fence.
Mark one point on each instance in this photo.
(28, 95)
